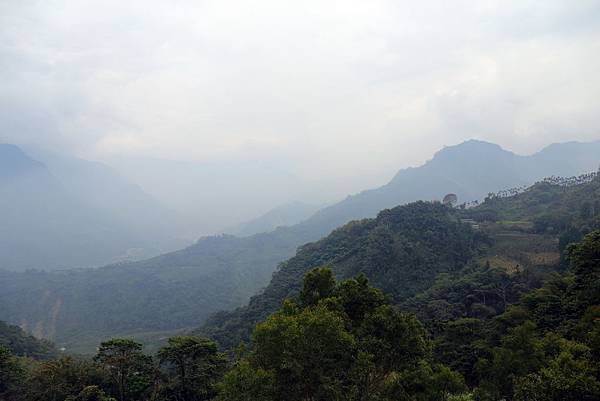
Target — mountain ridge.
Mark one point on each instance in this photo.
(180, 289)
(66, 213)
(402, 249)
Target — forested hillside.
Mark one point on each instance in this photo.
(346, 340)
(470, 170)
(20, 343)
(443, 263)
(169, 292)
(424, 302)
(299, 200)
(403, 250)
(539, 346)
(178, 290)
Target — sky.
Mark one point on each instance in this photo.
(346, 91)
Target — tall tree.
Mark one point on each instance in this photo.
(64, 377)
(318, 283)
(340, 342)
(584, 260)
(127, 365)
(11, 374)
(197, 363)
(310, 352)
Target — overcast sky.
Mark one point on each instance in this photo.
(340, 89)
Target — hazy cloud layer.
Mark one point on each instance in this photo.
(336, 89)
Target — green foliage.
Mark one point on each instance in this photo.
(422, 383)
(490, 323)
(172, 291)
(318, 283)
(477, 292)
(246, 383)
(310, 353)
(12, 375)
(396, 341)
(553, 209)
(563, 364)
(461, 345)
(587, 330)
(461, 397)
(351, 345)
(63, 378)
(130, 370)
(473, 313)
(571, 375)
(519, 353)
(357, 298)
(195, 365)
(119, 371)
(402, 251)
(91, 393)
(585, 265)
(21, 344)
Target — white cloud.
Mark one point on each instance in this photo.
(337, 89)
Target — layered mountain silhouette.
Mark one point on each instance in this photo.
(281, 216)
(471, 170)
(180, 289)
(216, 197)
(69, 212)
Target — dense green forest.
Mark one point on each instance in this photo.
(438, 261)
(424, 302)
(409, 245)
(346, 341)
(163, 294)
(19, 343)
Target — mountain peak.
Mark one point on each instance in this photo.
(472, 145)
(13, 160)
(471, 153)
(569, 146)
(10, 150)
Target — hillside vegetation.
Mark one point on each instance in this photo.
(165, 293)
(443, 263)
(345, 340)
(179, 290)
(495, 302)
(19, 343)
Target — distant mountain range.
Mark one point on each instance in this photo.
(471, 170)
(180, 289)
(59, 212)
(213, 198)
(281, 216)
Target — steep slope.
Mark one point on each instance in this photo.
(408, 244)
(101, 187)
(155, 228)
(471, 170)
(21, 344)
(42, 225)
(77, 214)
(180, 289)
(171, 291)
(404, 250)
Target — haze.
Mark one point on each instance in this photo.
(307, 100)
